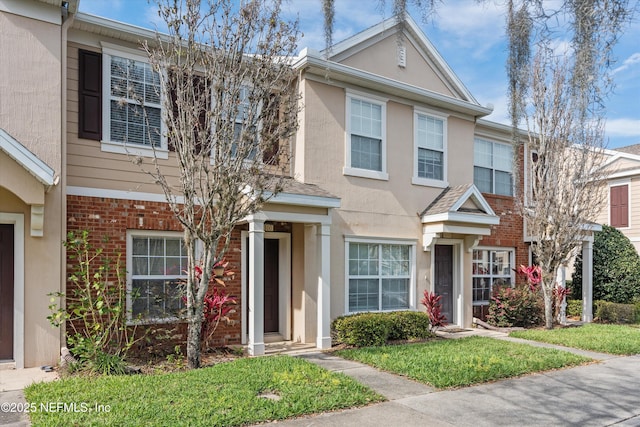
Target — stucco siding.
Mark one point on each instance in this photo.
(381, 59)
(30, 96)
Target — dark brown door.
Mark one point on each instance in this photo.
(443, 274)
(271, 282)
(6, 291)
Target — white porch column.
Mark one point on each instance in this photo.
(256, 285)
(587, 281)
(323, 240)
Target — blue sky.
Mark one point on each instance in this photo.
(470, 36)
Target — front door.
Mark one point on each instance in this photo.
(6, 291)
(443, 276)
(271, 284)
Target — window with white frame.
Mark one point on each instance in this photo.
(156, 266)
(430, 148)
(379, 276)
(493, 167)
(366, 144)
(243, 108)
(491, 267)
(132, 101)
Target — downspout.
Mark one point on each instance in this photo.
(67, 20)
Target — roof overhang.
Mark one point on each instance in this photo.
(303, 200)
(312, 62)
(26, 176)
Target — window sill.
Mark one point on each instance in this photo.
(154, 321)
(134, 150)
(426, 182)
(365, 173)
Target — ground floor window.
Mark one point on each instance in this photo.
(491, 267)
(156, 266)
(379, 276)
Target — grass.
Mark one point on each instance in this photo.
(462, 362)
(613, 339)
(226, 394)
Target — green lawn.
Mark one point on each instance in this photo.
(226, 394)
(613, 339)
(462, 362)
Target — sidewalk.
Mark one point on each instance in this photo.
(12, 382)
(600, 394)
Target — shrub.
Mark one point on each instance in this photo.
(375, 329)
(517, 306)
(611, 312)
(95, 314)
(574, 307)
(407, 325)
(616, 268)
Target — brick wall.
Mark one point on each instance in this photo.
(111, 218)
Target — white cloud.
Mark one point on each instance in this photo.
(629, 62)
(623, 127)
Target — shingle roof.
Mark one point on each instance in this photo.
(630, 149)
(445, 201)
(291, 186)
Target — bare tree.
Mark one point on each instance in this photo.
(567, 192)
(230, 104)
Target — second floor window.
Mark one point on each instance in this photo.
(366, 144)
(493, 167)
(133, 102)
(430, 148)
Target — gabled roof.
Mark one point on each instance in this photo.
(462, 203)
(25, 158)
(412, 32)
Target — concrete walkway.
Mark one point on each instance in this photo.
(12, 382)
(599, 394)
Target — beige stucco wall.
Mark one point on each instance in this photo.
(381, 59)
(370, 207)
(30, 111)
(633, 231)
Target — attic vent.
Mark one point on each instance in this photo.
(402, 56)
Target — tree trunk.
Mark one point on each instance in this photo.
(193, 341)
(548, 309)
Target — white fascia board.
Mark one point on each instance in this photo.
(473, 193)
(462, 217)
(315, 64)
(18, 152)
(412, 27)
(457, 229)
(303, 200)
(117, 26)
(120, 194)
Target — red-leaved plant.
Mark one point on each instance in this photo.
(218, 304)
(434, 310)
(532, 274)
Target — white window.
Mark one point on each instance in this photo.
(365, 137)
(132, 110)
(491, 267)
(379, 275)
(156, 265)
(244, 107)
(493, 167)
(430, 150)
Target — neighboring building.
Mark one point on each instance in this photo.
(623, 194)
(397, 185)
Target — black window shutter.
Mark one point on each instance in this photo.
(90, 95)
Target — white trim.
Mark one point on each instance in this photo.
(303, 200)
(493, 168)
(512, 265)
(480, 219)
(430, 182)
(294, 217)
(25, 158)
(131, 233)
(425, 44)
(411, 243)
(458, 275)
(119, 194)
(620, 183)
(348, 168)
(18, 284)
(312, 62)
(162, 152)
